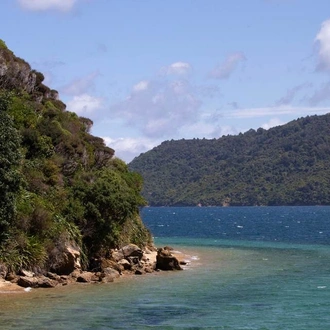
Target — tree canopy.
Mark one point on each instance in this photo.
(285, 165)
(58, 183)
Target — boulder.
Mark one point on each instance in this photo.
(150, 268)
(86, 277)
(45, 282)
(53, 276)
(109, 274)
(12, 277)
(26, 273)
(107, 263)
(65, 259)
(125, 264)
(166, 261)
(117, 255)
(132, 250)
(26, 282)
(35, 282)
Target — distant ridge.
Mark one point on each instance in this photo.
(285, 165)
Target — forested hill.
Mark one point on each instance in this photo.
(285, 165)
(60, 186)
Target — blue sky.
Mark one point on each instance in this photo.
(146, 71)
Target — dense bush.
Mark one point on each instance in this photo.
(285, 165)
(10, 177)
(58, 183)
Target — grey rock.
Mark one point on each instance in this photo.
(132, 250)
(85, 277)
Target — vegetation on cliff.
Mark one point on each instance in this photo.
(59, 184)
(285, 165)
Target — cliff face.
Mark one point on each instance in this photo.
(16, 74)
(63, 185)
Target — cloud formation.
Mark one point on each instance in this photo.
(80, 85)
(177, 68)
(43, 5)
(128, 148)
(320, 95)
(159, 107)
(273, 111)
(323, 40)
(272, 123)
(291, 94)
(224, 70)
(84, 104)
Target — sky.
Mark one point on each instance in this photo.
(146, 71)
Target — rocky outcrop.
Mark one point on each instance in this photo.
(16, 74)
(166, 261)
(65, 259)
(132, 250)
(87, 277)
(36, 282)
(130, 259)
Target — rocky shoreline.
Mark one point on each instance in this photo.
(129, 260)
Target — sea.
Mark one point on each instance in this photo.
(248, 268)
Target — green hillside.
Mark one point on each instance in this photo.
(285, 165)
(59, 185)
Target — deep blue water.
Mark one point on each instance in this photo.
(306, 225)
(252, 268)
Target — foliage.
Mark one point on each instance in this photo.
(9, 162)
(3, 44)
(100, 203)
(58, 183)
(285, 165)
(20, 251)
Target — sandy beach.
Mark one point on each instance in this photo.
(8, 287)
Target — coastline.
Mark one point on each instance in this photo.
(6, 287)
(184, 259)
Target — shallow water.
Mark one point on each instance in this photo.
(230, 284)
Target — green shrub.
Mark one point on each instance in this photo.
(21, 251)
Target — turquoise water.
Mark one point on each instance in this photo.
(246, 279)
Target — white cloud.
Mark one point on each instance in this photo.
(274, 111)
(200, 129)
(141, 86)
(84, 104)
(80, 85)
(224, 70)
(158, 108)
(323, 40)
(272, 123)
(177, 68)
(43, 5)
(128, 148)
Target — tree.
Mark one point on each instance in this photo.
(10, 158)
